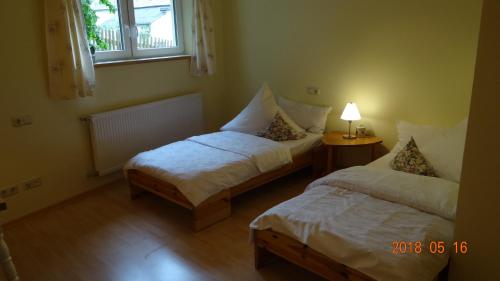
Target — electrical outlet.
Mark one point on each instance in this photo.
(33, 183)
(311, 90)
(22, 120)
(9, 191)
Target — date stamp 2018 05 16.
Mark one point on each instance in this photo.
(432, 247)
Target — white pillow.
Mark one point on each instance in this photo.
(442, 147)
(311, 118)
(257, 115)
(422, 134)
(446, 152)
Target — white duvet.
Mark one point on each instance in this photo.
(202, 166)
(354, 215)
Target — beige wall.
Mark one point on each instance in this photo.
(478, 220)
(410, 60)
(56, 146)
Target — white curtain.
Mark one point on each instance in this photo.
(71, 70)
(203, 58)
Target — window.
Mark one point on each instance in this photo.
(121, 29)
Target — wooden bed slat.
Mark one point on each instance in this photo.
(139, 180)
(299, 162)
(268, 242)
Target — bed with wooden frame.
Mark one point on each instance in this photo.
(218, 206)
(282, 230)
(269, 244)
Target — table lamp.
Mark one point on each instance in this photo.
(350, 114)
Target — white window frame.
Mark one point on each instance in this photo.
(129, 33)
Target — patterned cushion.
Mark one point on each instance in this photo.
(279, 130)
(411, 160)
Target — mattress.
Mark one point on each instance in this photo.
(303, 145)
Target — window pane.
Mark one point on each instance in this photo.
(155, 21)
(103, 24)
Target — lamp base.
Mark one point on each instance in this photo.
(349, 137)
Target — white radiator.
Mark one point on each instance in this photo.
(119, 135)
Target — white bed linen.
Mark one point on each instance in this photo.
(383, 162)
(303, 145)
(205, 165)
(428, 194)
(357, 229)
(266, 154)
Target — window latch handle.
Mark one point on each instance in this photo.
(134, 32)
(131, 31)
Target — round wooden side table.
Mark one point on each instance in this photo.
(332, 140)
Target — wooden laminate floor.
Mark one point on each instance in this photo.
(102, 235)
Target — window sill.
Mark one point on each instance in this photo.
(141, 60)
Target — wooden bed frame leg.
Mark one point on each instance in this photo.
(443, 275)
(318, 162)
(211, 211)
(262, 256)
(135, 191)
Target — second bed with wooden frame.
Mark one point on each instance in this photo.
(269, 245)
(218, 206)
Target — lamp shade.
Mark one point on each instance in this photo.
(351, 112)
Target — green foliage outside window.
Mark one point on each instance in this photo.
(90, 17)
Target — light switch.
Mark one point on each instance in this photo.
(312, 90)
(22, 120)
